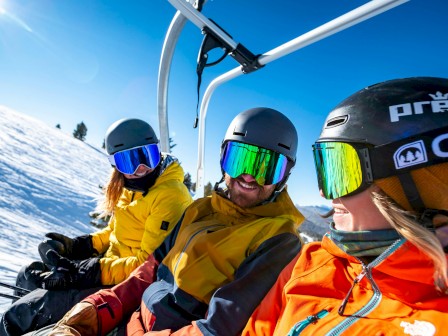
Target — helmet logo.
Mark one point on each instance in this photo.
(437, 105)
(410, 154)
(437, 147)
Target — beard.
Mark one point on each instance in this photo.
(247, 194)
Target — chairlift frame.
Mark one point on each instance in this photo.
(186, 10)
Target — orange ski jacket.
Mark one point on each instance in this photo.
(393, 295)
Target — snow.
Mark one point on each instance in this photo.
(49, 181)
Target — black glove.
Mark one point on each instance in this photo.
(68, 274)
(77, 248)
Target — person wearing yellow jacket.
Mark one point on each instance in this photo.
(382, 158)
(145, 197)
(227, 251)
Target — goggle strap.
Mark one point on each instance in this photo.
(368, 174)
(385, 158)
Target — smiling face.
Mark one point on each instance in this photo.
(358, 212)
(245, 192)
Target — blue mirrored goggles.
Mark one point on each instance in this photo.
(266, 166)
(127, 161)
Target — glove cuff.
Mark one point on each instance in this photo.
(109, 310)
(82, 248)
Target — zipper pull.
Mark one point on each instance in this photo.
(355, 282)
(299, 326)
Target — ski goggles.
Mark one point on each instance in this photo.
(127, 161)
(266, 166)
(347, 168)
(339, 168)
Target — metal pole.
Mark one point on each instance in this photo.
(345, 21)
(166, 58)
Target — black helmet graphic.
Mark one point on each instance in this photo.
(129, 133)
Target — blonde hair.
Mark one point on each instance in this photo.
(112, 192)
(427, 242)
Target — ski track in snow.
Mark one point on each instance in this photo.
(49, 181)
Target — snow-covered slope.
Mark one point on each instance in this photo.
(49, 181)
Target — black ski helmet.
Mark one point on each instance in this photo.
(389, 111)
(129, 133)
(267, 128)
(403, 123)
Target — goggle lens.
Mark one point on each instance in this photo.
(127, 161)
(266, 166)
(338, 168)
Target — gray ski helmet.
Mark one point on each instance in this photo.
(389, 111)
(129, 133)
(264, 127)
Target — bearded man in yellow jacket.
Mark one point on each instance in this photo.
(224, 255)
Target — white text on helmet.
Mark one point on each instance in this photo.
(439, 104)
(437, 148)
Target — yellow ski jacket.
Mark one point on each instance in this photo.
(140, 223)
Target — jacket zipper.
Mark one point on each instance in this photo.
(312, 319)
(376, 298)
(189, 241)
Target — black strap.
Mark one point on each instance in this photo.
(411, 192)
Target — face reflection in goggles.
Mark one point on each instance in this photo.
(127, 161)
(266, 166)
(338, 168)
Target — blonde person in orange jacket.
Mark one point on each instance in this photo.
(382, 158)
(145, 196)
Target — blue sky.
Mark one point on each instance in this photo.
(69, 61)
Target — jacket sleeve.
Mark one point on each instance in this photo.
(116, 303)
(264, 319)
(237, 300)
(167, 207)
(100, 239)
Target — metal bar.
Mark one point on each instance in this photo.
(198, 19)
(347, 20)
(169, 45)
(18, 289)
(9, 296)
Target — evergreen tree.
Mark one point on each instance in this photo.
(171, 143)
(208, 189)
(58, 126)
(80, 131)
(187, 181)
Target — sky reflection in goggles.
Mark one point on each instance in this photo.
(127, 161)
(338, 168)
(266, 166)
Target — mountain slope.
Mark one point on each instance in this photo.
(49, 181)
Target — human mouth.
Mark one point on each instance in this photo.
(339, 211)
(246, 185)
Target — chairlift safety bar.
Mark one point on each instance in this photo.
(187, 11)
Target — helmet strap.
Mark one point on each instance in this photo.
(411, 192)
(416, 202)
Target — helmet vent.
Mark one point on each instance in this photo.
(119, 145)
(239, 133)
(284, 146)
(337, 121)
